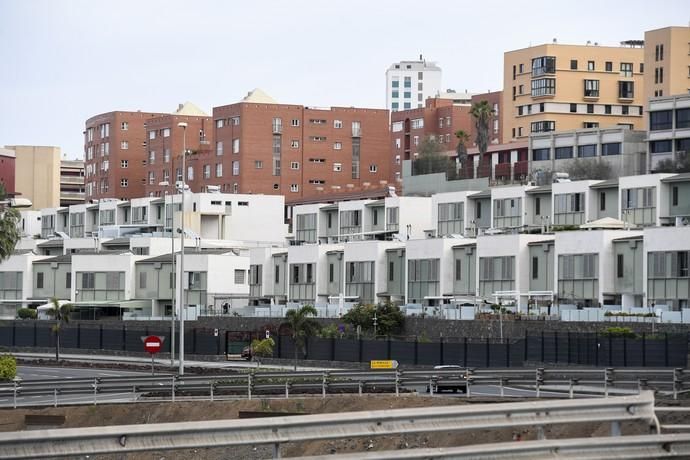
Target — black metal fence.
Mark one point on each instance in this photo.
(591, 349)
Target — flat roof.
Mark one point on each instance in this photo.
(610, 183)
(682, 177)
(539, 189)
(540, 242)
(482, 194)
(65, 258)
(464, 245)
(629, 238)
(52, 243)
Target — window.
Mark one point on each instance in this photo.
(607, 109)
(612, 148)
(294, 188)
(152, 178)
(219, 169)
(543, 126)
(591, 88)
(219, 148)
(337, 167)
(561, 153)
(373, 168)
(537, 206)
(660, 146)
(39, 280)
(152, 157)
(317, 138)
(541, 154)
(236, 145)
(124, 126)
(124, 182)
(620, 268)
(626, 89)
(124, 145)
(682, 118)
(142, 280)
(258, 164)
(662, 119)
(68, 280)
(541, 107)
(294, 122)
(339, 145)
(166, 156)
(590, 108)
(220, 123)
(294, 144)
(417, 123)
(590, 124)
(190, 172)
(152, 135)
(602, 201)
(609, 66)
(294, 165)
(395, 93)
(625, 110)
(543, 87)
(277, 274)
(408, 82)
(586, 151)
(573, 64)
(543, 65)
(239, 276)
(166, 132)
(236, 168)
(573, 108)
(406, 105)
(535, 268)
(337, 124)
(626, 69)
(674, 196)
(124, 163)
(590, 66)
(207, 171)
(88, 280)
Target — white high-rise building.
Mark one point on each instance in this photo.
(410, 83)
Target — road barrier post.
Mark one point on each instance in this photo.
(249, 386)
(616, 428)
(287, 390)
(172, 388)
(360, 387)
(324, 382)
(539, 380)
(14, 397)
(95, 391)
(211, 385)
(397, 382)
(570, 390)
(55, 396)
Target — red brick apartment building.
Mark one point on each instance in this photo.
(440, 118)
(7, 157)
(114, 151)
(300, 152)
(127, 154)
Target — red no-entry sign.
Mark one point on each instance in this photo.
(153, 344)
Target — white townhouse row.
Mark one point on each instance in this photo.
(622, 242)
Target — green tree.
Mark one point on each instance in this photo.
(9, 231)
(8, 367)
(680, 165)
(303, 325)
(461, 149)
(60, 313)
(389, 318)
(482, 113)
(263, 348)
(589, 169)
(430, 158)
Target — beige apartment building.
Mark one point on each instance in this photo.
(667, 59)
(37, 174)
(554, 87)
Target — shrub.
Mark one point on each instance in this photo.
(620, 332)
(8, 367)
(263, 348)
(26, 313)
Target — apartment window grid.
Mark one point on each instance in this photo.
(543, 87)
(422, 279)
(355, 157)
(636, 198)
(350, 222)
(543, 65)
(591, 88)
(451, 218)
(359, 281)
(392, 223)
(668, 264)
(543, 126)
(276, 154)
(305, 228)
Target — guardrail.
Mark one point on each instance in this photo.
(278, 430)
(650, 446)
(567, 382)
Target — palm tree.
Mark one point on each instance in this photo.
(461, 149)
(303, 325)
(482, 113)
(9, 232)
(60, 313)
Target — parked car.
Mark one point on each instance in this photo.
(453, 382)
(247, 353)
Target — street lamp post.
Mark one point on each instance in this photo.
(172, 254)
(182, 187)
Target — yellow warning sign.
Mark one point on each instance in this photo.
(384, 364)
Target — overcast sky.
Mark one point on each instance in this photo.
(66, 60)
